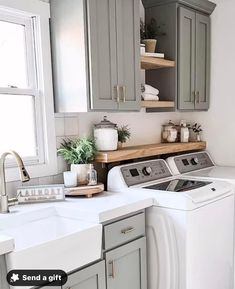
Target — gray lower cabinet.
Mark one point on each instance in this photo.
(92, 277)
(126, 266)
(96, 55)
(194, 60)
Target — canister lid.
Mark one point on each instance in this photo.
(170, 124)
(105, 123)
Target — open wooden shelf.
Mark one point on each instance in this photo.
(157, 104)
(135, 152)
(149, 63)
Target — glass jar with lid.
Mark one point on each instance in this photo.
(169, 132)
(106, 135)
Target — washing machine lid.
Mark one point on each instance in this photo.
(216, 172)
(197, 191)
(178, 185)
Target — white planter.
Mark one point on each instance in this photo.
(81, 171)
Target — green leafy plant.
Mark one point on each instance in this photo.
(150, 30)
(78, 151)
(197, 128)
(124, 134)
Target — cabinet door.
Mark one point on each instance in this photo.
(186, 59)
(92, 277)
(102, 53)
(128, 53)
(126, 266)
(202, 61)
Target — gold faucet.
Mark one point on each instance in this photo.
(5, 202)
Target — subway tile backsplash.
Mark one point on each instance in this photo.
(65, 127)
(71, 126)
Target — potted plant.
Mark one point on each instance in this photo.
(123, 135)
(79, 153)
(196, 128)
(148, 34)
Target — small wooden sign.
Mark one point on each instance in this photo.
(37, 194)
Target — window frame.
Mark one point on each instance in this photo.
(35, 17)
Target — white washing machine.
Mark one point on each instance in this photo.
(201, 166)
(189, 227)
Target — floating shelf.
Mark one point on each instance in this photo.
(149, 63)
(142, 151)
(157, 104)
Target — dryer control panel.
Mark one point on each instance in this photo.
(190, 162)
(145, 172)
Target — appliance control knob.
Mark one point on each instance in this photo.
(147, 171)
(195, 161)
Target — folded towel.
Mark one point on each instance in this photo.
(149, 96)
(150, 90)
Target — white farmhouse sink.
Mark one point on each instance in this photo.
(44, 239)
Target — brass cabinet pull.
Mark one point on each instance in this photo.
(194, 97)
(198, 97)
(124, 93)
(111, 269)
(117, 93)
(127, 230)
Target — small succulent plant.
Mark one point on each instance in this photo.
(123, 133)
(150, 30)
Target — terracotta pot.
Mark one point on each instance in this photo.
(81, 170)
(150, 45)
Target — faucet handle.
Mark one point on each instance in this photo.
(12, 202)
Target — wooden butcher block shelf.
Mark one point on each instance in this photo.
(150, 63)
(135, 152)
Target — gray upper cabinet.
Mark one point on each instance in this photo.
(186, 65)
(128, 53)
(194, 60)
(102, 54)
(186, 24)
(92, 277)
(96, 56)
(126, 266)
(202, 82)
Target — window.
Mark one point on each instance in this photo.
(26, 105)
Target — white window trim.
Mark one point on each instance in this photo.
(40, 10)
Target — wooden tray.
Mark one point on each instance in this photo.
(88, 191)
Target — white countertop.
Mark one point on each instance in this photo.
(6, 244)
(98, 209)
